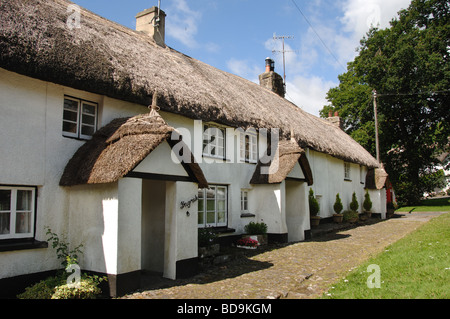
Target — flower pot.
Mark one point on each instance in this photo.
(315, 221)
(246, 247)
(368, 214)
(338, 218)
(261, 239)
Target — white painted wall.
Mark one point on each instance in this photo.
(34, 153)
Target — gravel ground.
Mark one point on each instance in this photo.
(297, 270)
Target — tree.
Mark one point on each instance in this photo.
(408, 65)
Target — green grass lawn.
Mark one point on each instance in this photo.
(429, 205)
(417, 266)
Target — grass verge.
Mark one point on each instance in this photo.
(429, 205)
(417, 266)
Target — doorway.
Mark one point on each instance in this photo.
(153, 226)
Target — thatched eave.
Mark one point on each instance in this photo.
(288, 155)
(116, 149)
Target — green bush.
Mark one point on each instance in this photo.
(367, 204)
(253, 228)
(338, 205)
(206, 237)
(350, 215)
(354, 205)
(313, 204)
(56, 287)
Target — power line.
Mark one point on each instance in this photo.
(314, 30)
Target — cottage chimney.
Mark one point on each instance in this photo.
(271, 80)
(152, 22)
(335, 120)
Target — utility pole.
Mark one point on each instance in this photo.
(283, 37)
(375, 110)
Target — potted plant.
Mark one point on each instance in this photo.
(350, 216)
(256, 231)
(313, 209)
(367, 205)
(207, 243)
(247, 243)
(337, 216)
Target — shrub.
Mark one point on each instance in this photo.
(56, 287)
(338, 205)
(350, 215)
(367, 204)
(313, 204)
(253, 228)
(354, 205)
(206, 237)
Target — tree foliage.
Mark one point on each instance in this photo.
(408, 66)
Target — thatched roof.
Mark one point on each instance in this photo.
(106, 58)
(116, 149)
(376, 178)
(289, 153)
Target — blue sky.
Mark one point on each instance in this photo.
(237, 35)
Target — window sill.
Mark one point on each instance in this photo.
(13, 245)
(347, 180)
(243, 215)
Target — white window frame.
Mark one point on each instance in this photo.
(79, 122)
(202, 192)
(214, 138)
(244, 201)
(13, 211)
(248, 146)
(347, 171)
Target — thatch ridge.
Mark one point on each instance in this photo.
(106, 58)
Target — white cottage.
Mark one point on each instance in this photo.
(84, 155)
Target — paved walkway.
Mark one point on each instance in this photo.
(300, 270)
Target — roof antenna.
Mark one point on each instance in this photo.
(156, 18)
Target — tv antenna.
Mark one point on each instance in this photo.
(283, 51)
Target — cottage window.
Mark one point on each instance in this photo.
(212, 206)
(214, 141)
(244, 201)
(79, 118)
(17, 212)
(347, 171)
(248, 147)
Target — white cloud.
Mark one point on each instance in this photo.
(359, 15)
(309, 93)
(245, 69)
(183, 23)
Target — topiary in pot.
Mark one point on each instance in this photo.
(337, 216)
(354, 205)
(367, 204)
(313, 208)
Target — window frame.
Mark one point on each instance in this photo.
(244, 201)
(207, 142)
(347, 171)
(248, 150)
(79, 118)
(14, 211)
(204, 200)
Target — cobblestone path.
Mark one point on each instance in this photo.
(300, 270)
